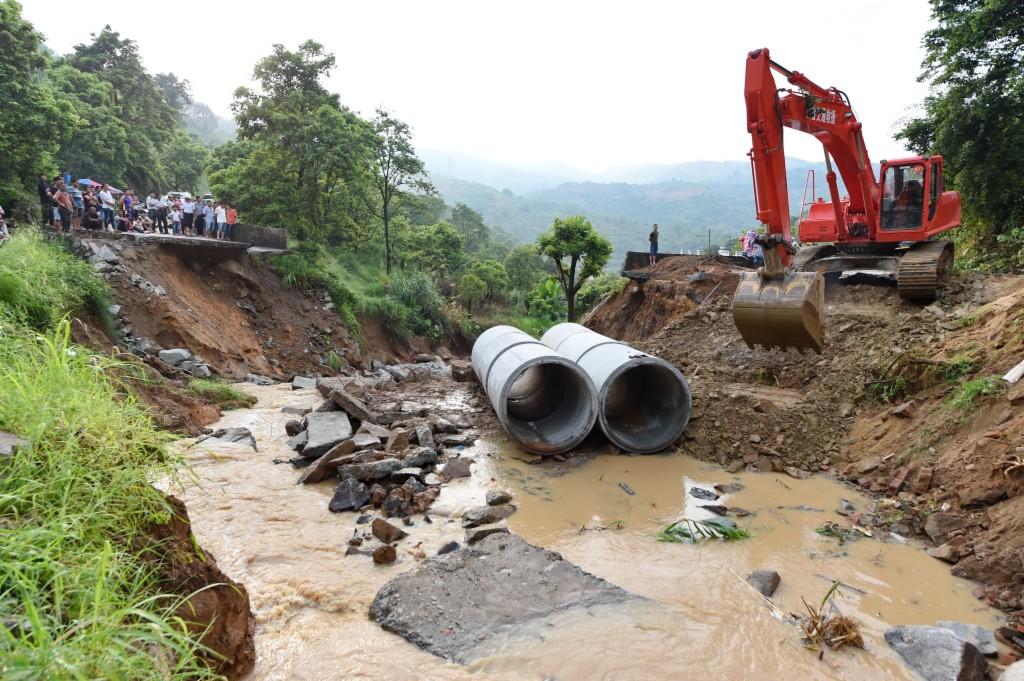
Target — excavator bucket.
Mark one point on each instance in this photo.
(781, 313)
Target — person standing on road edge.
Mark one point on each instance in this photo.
(653, 238)
(232, 219)
(108, 204)
(45, 200)
(187, 210)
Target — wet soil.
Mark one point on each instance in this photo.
(311, 600)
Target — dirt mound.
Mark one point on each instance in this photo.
(674, 287)
(784, 411)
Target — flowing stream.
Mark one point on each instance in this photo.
(311, 601)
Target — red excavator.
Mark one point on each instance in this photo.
(881, 225)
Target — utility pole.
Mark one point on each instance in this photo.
(709, 242)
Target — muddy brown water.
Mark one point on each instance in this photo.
(311, 602)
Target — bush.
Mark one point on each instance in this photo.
(40, 282)
(971, 391)
(78, 597)
(595, 289)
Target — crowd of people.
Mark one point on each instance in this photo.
(71, 204)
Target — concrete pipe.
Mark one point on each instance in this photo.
(643, 401)
(544, 401)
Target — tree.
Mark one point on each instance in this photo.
(494, 276)
(972, 116)
(547, 301)
(470, 224)
(395, 167)
(183, 161)
(578, 253)
(436, 249)
(177, 93)
(471, 290)
(31, 114)
(525, 267)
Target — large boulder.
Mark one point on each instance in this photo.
(455, 604)
(175, 356)
(324, 430)
(984, 639)
(937, 654)
(939, 526)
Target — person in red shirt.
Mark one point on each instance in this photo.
(232, 217)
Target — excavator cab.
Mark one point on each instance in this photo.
(782, 312)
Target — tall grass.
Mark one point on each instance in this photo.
(40, 282)
(78, 597)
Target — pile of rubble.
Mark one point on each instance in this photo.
(391, 456)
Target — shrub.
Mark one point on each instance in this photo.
(971, 391)
(223, 394)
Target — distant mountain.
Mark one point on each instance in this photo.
(697, 198)
(518, 178)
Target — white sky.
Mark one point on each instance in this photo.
(590, 84)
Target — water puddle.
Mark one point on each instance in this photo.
(311, 601)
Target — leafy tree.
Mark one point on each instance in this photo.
(470, 224)
(547, 300)
(597, 288)
(436, 249)
(494, 276)
(578, 253)
(422, 209)
(182, 161)
(395, 167)
(308, 154)
(972, 116)
(31, 115)
(177, 93)
(525, 267)
(471, 290)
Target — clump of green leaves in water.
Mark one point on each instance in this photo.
(79, 598)
(688, 531)
(972, 391)
(225, 395)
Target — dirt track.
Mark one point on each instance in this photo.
(816, 413)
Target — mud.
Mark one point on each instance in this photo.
(311, 601)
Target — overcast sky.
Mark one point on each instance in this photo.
(589, 84)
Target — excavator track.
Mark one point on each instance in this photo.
(922, 268)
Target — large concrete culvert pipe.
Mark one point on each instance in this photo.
(544, 401)
(643, 401)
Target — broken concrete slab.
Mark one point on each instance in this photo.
(325, 429)
(482, 592)
(937, 654)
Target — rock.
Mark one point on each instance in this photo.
(979, 496)
(462, 372)
(106, 255)
(462, 440)
(947, 552)
(403, 474)
(425, 436)
(371, 470)
(293, 427)
(456, 468)
(237, 434)
(114, 310)
(937, 654)
(898, 480)
(398, 372)
(498, 497)
(325, 430)
(425, 358)
(701, 493)
(923, 480)
(327, 405)
(729, 488)
(175, 356)
(259, 380)
(865, 466)
(448, 548)
(845, 507)
(11, 443)
(493, 588)
(486, 515)
(755, 438)
(349, 495)
(387, 532)
(303, 383)
(298, 441)
(383, 555)
(354, 406)
(443, 425)
(716, 509)
(764, 581)
(295, 411)
(983, 639)
(905, 410)
(795, 472)
(412, 408)
(398, 441)
(366, 441)
(477, 534)
(939, 525)
(398, 504)
(324, 467)
(201, 371)
(373, 429)
(845, 410)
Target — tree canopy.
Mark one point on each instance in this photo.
(578, 252)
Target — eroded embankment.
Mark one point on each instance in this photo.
(953, 450)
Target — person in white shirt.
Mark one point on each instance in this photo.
(108, 205)
(188, 209)
(222, 220)
(175, 220)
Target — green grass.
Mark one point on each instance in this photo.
(78, 598)
(957, 367)
(40, 283)
(973, 392)
(225, 395)
(888, 390)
